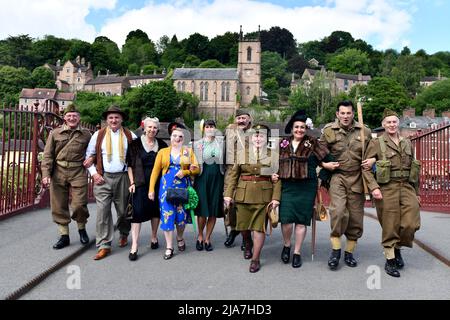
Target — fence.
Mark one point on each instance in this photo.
(23, 136)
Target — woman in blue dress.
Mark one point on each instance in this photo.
(177, 164)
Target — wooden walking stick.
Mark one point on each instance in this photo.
(363, 141)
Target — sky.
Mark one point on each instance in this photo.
(418, 24)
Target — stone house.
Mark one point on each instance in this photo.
(73, 75)
(29, 97)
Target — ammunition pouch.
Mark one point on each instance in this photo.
(414, 172)
(383, 171)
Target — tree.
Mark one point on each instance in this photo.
(273, 65)
(337, 40)
(158, 99)
(197, 45)
(350, 61)
(106, 56)
(297, 64)
(436, 96)
(150, 69)
(139, 49)
(78, 48)
(91, 105)
(162, 44)
(381, 93)
(12, 80)
(49, 50)
(42, 77)
(174, 53)
(137, 34)
(408, 71)
(212, 63)
(219, 47)
(18, 51)
(192, 61)
(279, 40)
(405, 51)
(312, 49)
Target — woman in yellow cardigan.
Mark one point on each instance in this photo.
(176, 164)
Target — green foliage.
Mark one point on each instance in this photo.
(192, 61)
(16, 51)
(105, 56)
(173, 53)
(12, 80)
(278, 40)
(381, 93)
(77, 48)
(91, 105)
(150, 69)
(189, 104)
(336, 41)
(42, 78)
(351, 61)
(408, 71)
(273, 65)
(220, 47)
(138, 49)
(212, 63)
(436, 96)
(158, 99)
(197, 45)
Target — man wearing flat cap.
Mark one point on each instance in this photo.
(109, 147)
(235, 142)
(63, 171)
(394, 186)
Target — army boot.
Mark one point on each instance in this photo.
(391, 268)
(333, 261)
(398, 259)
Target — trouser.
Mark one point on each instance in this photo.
(398, 213)
(72, 180)
(346, 210)
(114, 190)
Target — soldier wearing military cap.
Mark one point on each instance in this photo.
(63, 171)
(394, 186)
(343, 139)
(250, 187)
(235, 142)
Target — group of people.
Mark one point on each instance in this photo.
(244, 174)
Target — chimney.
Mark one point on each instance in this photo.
(107, 72)
(142, 72)
(77, 60)
(58, 63)
(360, 76)
(293, 77)
(83, 61)
(409, 112)
(89, 65)
(429, 113)
(126, 74)
(98, 73)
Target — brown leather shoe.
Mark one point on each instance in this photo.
(123, 241)
(254, 266)
(102, 253)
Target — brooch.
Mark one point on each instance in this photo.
(284, 143)
(307, 144)
(186, 152)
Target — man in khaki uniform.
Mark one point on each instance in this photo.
(62, 170)
(235, 145)
(394, 188)
(343, 139)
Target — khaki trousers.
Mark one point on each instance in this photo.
(72, 180)
(114, 190)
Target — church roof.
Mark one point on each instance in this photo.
(205, 74)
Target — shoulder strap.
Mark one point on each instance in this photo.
(66, 146)
(382, 147)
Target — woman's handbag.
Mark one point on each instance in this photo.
(320, 212)
(129, 209)
(273, 216)
(177, 195)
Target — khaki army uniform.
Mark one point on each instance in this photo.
(252, 189)
(398, 211)
(346, 186)
(63, 158)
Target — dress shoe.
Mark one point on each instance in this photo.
(254, 266)
(102, 253)
(349, 260)
(286, 254)
(398, 259)
(154, 245)
(296, 261)
(391, 268)
(181, 247)
(333, 261)
(133, 256)
(64, 241)
(84, 239)
(230, 239)
(169, 255)
(208, 246)
(123, 241)
(199, 245)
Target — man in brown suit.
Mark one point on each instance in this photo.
(62, 170)
(395, 190)
(343, 139)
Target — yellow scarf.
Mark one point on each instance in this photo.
(109, 145)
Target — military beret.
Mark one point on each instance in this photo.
(241, 112)
(260, 128)
(389, 112)
(70, 108)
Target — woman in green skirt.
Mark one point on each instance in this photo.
(300, 155)
(209, 184)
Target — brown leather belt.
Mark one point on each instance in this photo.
(254, 178)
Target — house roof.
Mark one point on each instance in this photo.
(38, 93)
(422, 122)
(205, 74)
(432, 79)
(147, 76)
(107, 79)
(69, 96)
(344, 76)
(53, 67)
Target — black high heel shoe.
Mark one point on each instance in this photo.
(133, 256)
(199, 245)
(170, 255)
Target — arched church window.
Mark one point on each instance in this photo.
(249, 54)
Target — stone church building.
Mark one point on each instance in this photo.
(223, 90)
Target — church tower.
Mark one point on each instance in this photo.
(249, 68)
